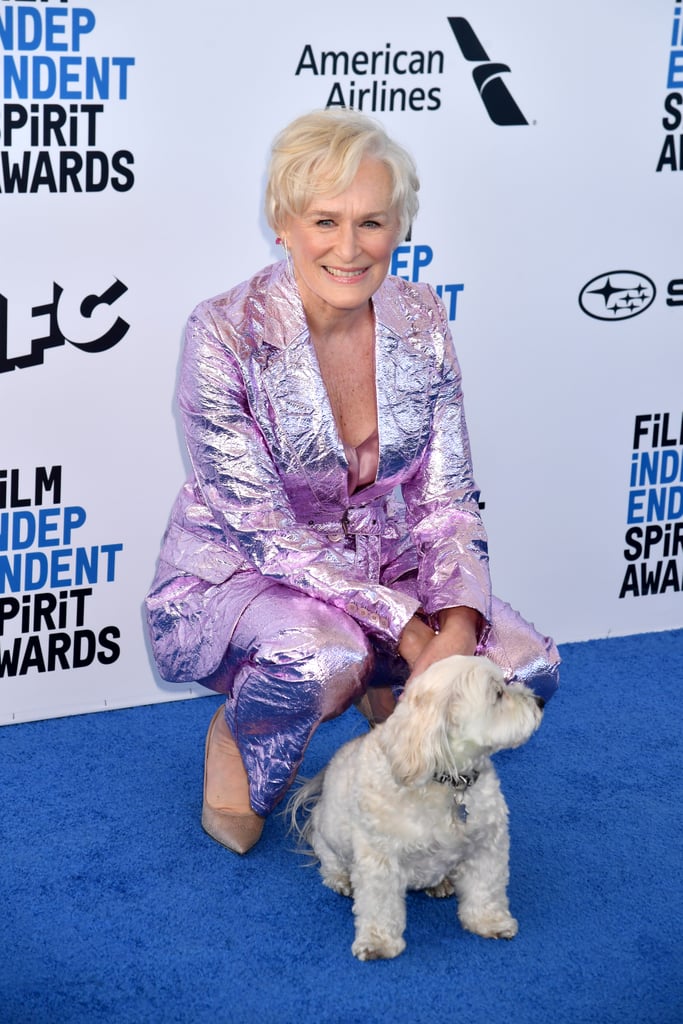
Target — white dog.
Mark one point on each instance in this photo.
(416, 804)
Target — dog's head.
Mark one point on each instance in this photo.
(455, 712)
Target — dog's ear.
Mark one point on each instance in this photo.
(415, 737)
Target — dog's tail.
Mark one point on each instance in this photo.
(300, 805)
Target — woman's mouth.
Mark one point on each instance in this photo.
(346, 275)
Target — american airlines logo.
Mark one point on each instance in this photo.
(494, 93)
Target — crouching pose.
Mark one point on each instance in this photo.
(329, 538)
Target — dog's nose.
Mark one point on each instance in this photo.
(539, 701)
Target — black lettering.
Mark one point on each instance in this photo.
(70, 166)
(9, 659)
(675, 292)
(96, 171)
(670, 581)
(672, 105)
(33, 656)
(58, 647)
(667, 158)
(336, 97)
(84, 645)
(120, 164)
(307, 61)
(434, 96)
(48, 480)
(15, 176)
(110, 649)
(43, 173)
(635, 549)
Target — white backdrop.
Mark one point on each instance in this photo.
(133, 143)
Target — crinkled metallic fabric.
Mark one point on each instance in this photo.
(269, 498)
(268, 512)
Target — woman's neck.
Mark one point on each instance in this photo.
(337, 326)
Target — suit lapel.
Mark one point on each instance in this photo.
(299, 401)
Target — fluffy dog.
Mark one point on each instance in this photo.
(416, 804)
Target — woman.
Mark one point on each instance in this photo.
(329, 541)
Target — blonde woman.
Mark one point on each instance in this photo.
(328, 543)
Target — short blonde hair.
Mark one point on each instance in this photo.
(321, 152)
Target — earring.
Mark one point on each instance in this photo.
(287, 256)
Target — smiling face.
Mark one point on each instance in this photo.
(341, 245)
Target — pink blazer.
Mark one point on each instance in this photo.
(268, 498)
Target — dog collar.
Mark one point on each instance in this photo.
(458, 781)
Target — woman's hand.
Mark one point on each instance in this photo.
(415, 637)
(458, 634)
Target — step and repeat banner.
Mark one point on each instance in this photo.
(133, 145)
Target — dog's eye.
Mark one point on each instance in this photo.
(499, 695)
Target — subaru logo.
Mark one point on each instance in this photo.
(618, 295)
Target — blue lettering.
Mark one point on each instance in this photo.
(83, 23)
(110, 550)
(649, 468)
(27, 527)
(675, 79)
(28, 32)
(123, 63)
(52, 29)
(69, 78)
(29, 29)
(663, 503)
(66, 77)
(60, 568)
(399, 261)
(634, 469)
(15, 77)
(670, 466)
(45, 527)
(656, 504)
(96, 79)
(635, 507)
(35, 570)
(674, 507)
(74, 517)
(452, 290)
(10, 574)
(422, 257)
(86, 566)
(23, 530)
(43, 91)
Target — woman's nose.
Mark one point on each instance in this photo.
(347, 242)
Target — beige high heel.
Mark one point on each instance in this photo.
(376, 704)
(226, 813)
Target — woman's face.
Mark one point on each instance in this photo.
(341, 245)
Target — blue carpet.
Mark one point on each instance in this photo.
(117, 908)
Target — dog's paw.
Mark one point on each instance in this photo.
(340, 883)
(376, 947)
(443, 890)
(492, 924)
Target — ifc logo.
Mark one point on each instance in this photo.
(618, 295)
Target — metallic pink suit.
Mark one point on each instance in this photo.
(277, 586)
